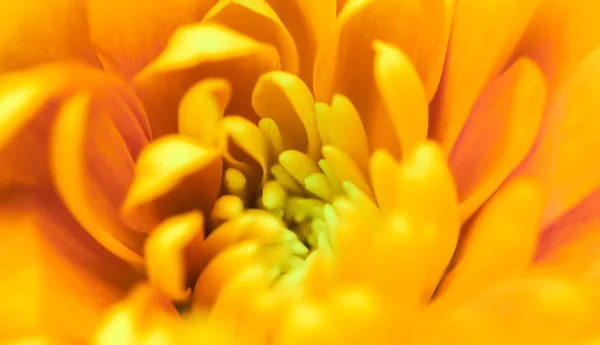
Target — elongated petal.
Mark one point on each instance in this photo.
(426, 195)
(85, 141)
(55, 277)
(344, 64)
(287, 100)
(561, 34)
(498, 134)
(402, 95)
(257, 20)
(568, 138)
(37, 31)
(172, 254)
(509, 223)
(439, 16)
(173, 175)
(308, 21)
(468, 67)
(129, 34)
(200, 51)
(201, 110)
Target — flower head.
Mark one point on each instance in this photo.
(295, 172)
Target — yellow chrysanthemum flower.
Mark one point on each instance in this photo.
(299, 172)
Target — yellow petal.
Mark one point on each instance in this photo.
(308, 21)
(128, 34)
(285, 98)
(402, 95)
(201, 110)
(172, 251)
(221, 270)
(88, 137)
(30, 27)
(55, 277)
(200, 51)
(307, 323)
(145, 315)
(257, 20)
(353, 139)
(439, 15)
(173, 175)
(469, 68)
(346, 170)
(427, 198)
(344, 64)
(497, 135)
(561, 34)
(384, 170)
(561, 162)
(500, 243)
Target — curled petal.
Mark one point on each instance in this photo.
(23, 42)
(469, 68)
(129, 34)
(172, 253)
(497, 135)
(199, 51)
(285, 98)
(344, 63)
(257, 20)
(245, 136)
(201, 110)
(84, 143)
(145, 314)
(561, 160)
(55, 277)
(173, 175)
(308, 21)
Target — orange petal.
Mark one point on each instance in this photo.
(92, 166)
(173, 175)
(308, 21)
(570, 243)
(200, 51)
(509, 223)
(537, 310)
(37, 31)
(172, 254)
(344, 64)
(402, 95)
(55, 277)
(257, 20)
(498, 134)
(569, 137)
(561, 34)
(28, 104)
(144, 317)
(469, 68)
(201, 110)
(128, 34)
(439, 15)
